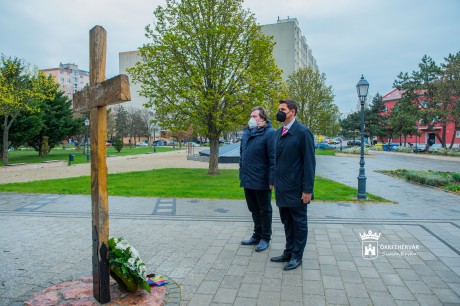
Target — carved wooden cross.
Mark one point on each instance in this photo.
(95, 98)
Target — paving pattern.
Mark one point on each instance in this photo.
(46, 239)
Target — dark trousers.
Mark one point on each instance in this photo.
(260, 205)
(295, 223)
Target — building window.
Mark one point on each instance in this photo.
(75, 79)
(457, 134)
(385, 108)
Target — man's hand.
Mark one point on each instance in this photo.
(272, 186)
(306, 198)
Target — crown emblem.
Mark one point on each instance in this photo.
(370, 235)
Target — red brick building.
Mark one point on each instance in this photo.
(426, 134)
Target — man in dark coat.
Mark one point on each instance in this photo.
(294, 180)
(257, 162)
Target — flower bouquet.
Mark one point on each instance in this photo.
(126, 267)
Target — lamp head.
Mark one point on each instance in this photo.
(362, 87)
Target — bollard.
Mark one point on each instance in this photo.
(71, 159)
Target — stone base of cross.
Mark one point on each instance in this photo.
(95, 99)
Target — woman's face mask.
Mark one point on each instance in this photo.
(252, 123)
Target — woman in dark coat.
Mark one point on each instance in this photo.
(257, 160)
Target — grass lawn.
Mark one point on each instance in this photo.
(180, 183)
(31, 157)
(449, 181)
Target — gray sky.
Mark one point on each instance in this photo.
(377, 38)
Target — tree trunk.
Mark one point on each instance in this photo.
(5, 141)
(214, 155)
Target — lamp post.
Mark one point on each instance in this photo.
(86, 139)
(362, 87)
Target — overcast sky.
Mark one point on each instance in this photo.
(377, 38)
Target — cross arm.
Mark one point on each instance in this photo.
(111, 91)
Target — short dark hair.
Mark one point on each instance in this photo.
(290, 104)
(261, 112)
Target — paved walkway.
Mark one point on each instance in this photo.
(46, 239)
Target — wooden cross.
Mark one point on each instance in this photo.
(95, 98)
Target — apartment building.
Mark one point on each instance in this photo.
(291, 51)
(69, 77)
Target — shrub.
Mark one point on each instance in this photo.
(356, 150)
(405, 149)
(118, 144)
(455, 176)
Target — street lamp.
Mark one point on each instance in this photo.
(362, 87)
(87, 140)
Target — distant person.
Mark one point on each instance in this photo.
(257, 162)
(295, 165)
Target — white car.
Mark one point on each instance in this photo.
(142, 144)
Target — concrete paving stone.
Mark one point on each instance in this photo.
(314, 299)
(292, 280)
(253, 277)
(446, 295)
(225, 296)
(418, 287)
(330, 270)
(368, 272)
(426, 270)
(356, 290)
(245, 301)
(313, 287)
(231, 281)
(291, 293)
(346, 265)
(391, 279)
(408, 274)
(455, 287)
(249, 291)
(425, 256)
(208, 287)
(407, 303)
(352, 301)
(448, 276)
(215, 275)
(271, 284)
(200, 300)
(428, 299)
(374, 284)
(193, 279)
(310, 264)
(343, 256)
(332, 282)
(273, 272)
(336, 297)
(267, 297)
(386, 267)
(236, 270)
(325, 251)
(314, 275)
(351, 277)
(327, 260)
(434, 282)
(240, 260)
(381, 298)
(256, 266)
(400, 293)
(221, 264)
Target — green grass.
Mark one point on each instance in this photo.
(31, 157)
(325, 152)
(179, 183)
(449, 181)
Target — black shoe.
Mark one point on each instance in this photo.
(282, 258)
(292, 264)
(262, 246)
(250, 241)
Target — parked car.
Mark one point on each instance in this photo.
(160, 143)
(353, 143)
(142, 144)
(420, 147)
(324, 146)
(435, 147)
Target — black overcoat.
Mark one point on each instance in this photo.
(295, 165)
